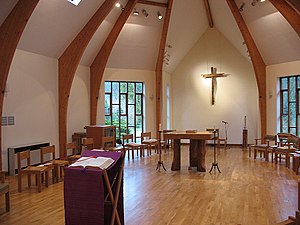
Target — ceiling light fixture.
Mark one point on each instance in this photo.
(135, 12)
(145, 13)
(118, 4)
(253, 3)
(241, 9)
(74, 2)
(159, 15)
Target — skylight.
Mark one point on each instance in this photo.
(74, 2)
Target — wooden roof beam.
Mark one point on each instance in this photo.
(257, 62)
(289, 13)
(68, 63)
(100, 61)
(10, 33)
(208, 13)
(165, 5)
(295, 4)
(159, 64)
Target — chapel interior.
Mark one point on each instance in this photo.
(150, 112)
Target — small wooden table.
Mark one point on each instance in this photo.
(197, 148)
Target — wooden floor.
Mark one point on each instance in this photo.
(248, 191)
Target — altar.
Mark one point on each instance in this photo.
(197, 148)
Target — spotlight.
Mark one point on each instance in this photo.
(135, 12)
(144, 12)
(241, 9)
(118, 4)
(159, 15)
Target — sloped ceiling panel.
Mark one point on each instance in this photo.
(187, 24)
(275, 38)
(138, 43)
(54, 24)
(226, 24)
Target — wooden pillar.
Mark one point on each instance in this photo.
(10, 34)
(67, 66)
(159, 64)
(257, 62)
(99, 63)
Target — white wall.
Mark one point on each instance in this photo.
(166, 80)
(148, 77)
(273, 94)
(32, 98)
(236, 97)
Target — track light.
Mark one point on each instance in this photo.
(159, 15)
(241, 9)
(145, 13)
(253, 3)
(135, 12)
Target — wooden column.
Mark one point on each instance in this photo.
(159, 63)
(289, 13)
(99, 63)
(257, 62)
(67, 66)
(10, 34)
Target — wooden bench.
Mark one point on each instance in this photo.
(4, 189)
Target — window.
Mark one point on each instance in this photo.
(168, 108)
(124, 107)
(289, 104)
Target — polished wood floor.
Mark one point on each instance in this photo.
(247, 192)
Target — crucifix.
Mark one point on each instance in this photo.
(214, 75)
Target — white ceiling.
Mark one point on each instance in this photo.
(54, 24)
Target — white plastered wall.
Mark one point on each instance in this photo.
(236, 96)
(273, 106)
(32, 97)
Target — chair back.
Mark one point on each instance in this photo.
(146, 135)
(127, 138)
(283, 139)
(87, 143)
(212, 130)
(21, 156)
(71, 146)
(47, 150)
(270, 138)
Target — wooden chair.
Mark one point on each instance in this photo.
(4, 189)
(168, 141)
(149, 142)
(87, 144)
(58, 164)
(287, 146)
(38, 171)
(73, 157)
(265, 146)
(130, 145)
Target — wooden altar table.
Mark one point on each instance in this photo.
(197, 148)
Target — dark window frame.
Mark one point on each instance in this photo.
(109, 113)
(289, 96)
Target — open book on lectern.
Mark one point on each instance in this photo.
(100, 162)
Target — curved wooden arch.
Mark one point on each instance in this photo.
(257, 62)
(67, 66)
(10, 34)
(289, 13)
(100, 61)
(159, 63)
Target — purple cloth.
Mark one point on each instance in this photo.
(84, 192)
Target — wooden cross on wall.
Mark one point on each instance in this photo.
(214, 75)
